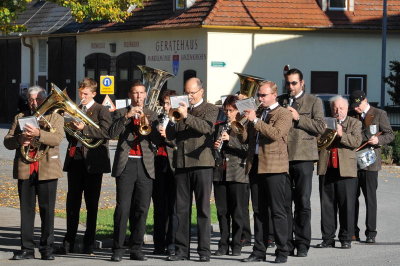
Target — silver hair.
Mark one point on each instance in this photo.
(42, 94)
(337, 98)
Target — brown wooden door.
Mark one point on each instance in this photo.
(10, 78)
(62, 63)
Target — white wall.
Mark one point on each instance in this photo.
(158, 46)
(264, 54)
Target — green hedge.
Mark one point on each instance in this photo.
(391, 152)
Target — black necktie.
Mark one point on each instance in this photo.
(84, 109)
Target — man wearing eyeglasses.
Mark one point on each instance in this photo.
(267, 162)
(308, 121)
(194, 162)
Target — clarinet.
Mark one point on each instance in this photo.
(225, 128)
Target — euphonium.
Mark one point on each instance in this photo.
(153, 79)
(47, 104)
(64, 103)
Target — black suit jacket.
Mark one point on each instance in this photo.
(124, 129)
(194, 137)
(97, 160)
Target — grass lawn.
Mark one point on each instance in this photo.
(105, 220)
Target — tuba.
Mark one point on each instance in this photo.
(153, 80)
(249, 85)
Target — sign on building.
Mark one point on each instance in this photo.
(107, 84)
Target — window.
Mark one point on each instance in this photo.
(42, 55)
(355, 82)
(324, 82)
(179, 4)
(337, 4)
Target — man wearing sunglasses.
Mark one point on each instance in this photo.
(267, 163)
(308, 122)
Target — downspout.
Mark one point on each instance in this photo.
(32, 65)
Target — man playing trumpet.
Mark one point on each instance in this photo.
(267, 161)
(133, 170)
(193, 164)
(337, 170)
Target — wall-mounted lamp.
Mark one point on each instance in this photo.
(113, 47)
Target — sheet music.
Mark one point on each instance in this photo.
(175, 100)
(330, 122)
(246, 104)
(31, 120)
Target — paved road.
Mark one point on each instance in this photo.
(385, 252)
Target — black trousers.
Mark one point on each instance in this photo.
(301, 173)
(199, 182)
(46, 194)
(230, 198)
(272, 194)
(368, 183)
(165, 221)
(134, 190)
(246, 232)
(337, 194)
(81, 182)
(262, 231)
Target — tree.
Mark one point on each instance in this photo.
(92, 10)
(394, 81)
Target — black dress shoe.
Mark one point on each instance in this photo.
(326, 244)
(245, 242)
(171, 252)
(370, 240)
(117, 256)
(65, 248)
(176, 258)
(253, 258)
(24, 255)
(48, 257)
(280, 259)
(236, 252)
(221, 252)
(270, 244)
(138, 256)
(302, 251)
(346, 244)
(204, 259)
(88, 250)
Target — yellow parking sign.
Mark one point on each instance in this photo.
(107, 84)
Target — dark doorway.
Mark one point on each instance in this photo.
(127, 72)
(97, 64)
(10, 78)
(62, 64)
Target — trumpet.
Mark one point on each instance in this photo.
(175, 115)
(238, 126)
